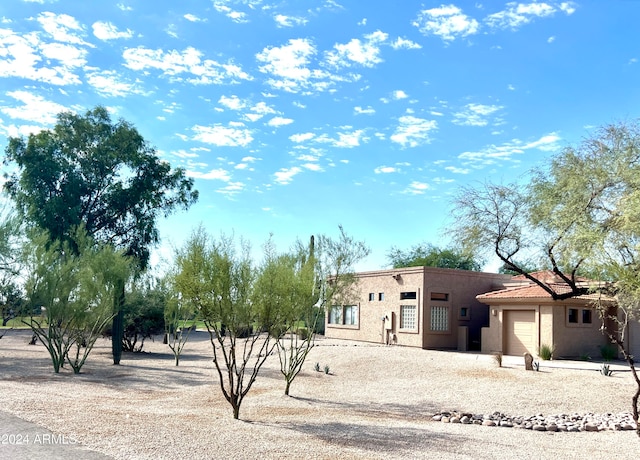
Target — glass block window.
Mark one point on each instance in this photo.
(439, 318)
(408, 318)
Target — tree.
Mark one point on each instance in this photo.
(74, 290)
(179, 317)
(104, 176)
(579, 215)
(219, 283)
(143, 314)
(320, 276)
(427, 255)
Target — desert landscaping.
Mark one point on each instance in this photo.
(376, 402)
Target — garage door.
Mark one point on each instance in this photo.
(519, 332)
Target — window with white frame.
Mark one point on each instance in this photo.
(408, 317)
(439, 318)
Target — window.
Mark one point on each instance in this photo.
(464, 312)
(407, 295)
(351, 315)
(439, 319)
(344, 315)
(408, 318)
(372, 296)
(335, 315)
(440, 296)
(381, 296)
(579, 317)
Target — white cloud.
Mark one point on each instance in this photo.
(568, 7)
(233, 102)
(366, 111)
(285, 175)
(364, 53)
(350, 139)
(63, 28)
(189, 61)
(124, 7)
(222, 136)
(234, 15)
(399, 94)
(403, 43)
(412, 131)
(34, 108)
(214, 174)
(110, 83)
(447, 22)
(193, 18)
(303, 137)
(518, 14)
(457, 170)
(312, 167)
(475, 114)
(289, 21)
(279, 121)
(108, 31)
(416, 188)
(385, 170)
(288, 66)
(492, 154)
(22, 57)
(551, 39)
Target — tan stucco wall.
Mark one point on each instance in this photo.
(553, 328)
(462, 287)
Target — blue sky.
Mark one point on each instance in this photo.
(297, 116)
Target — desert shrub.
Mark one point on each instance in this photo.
(606, 370)
(608, 352)
(546, 352)
(326, 369)
(317, 367)
(497, 357)
(303, 333)
(143, 318)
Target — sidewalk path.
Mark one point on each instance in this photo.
(22, 440)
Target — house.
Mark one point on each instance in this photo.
(523, 317)
(417, 306)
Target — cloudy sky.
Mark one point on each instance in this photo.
(297, 116)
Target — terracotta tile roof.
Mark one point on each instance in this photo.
(533, 291)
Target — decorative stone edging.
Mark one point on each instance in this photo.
(560, 422)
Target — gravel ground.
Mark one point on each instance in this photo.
(376, 402)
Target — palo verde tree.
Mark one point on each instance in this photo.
(74, 291)
(580, 214)
(179, 318)
(88, 171)
(219, 283)
(427, 255)
(316, 277)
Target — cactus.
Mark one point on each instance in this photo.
(317, 367)
(536, 366)
(326, 368)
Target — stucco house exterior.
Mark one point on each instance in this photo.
(523, 316)
(422, 307)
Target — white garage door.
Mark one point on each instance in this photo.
(519, 332)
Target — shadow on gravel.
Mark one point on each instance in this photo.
(399, 440)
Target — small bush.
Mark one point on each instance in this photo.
(326, 368)
(546, 352)
(605, 370)
(317, 367)
(608, 352)
(497, 357)
(303, 333)
(536, 366)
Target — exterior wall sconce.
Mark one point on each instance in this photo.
(494, 312)
(397, 277)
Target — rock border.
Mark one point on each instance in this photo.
(570, 423)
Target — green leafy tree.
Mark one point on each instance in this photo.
(427, 255)
(219, 283)
(580, 214)
(179, 322)
(307, 280)
(143, 314)
(102, 175)
(74, 290)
